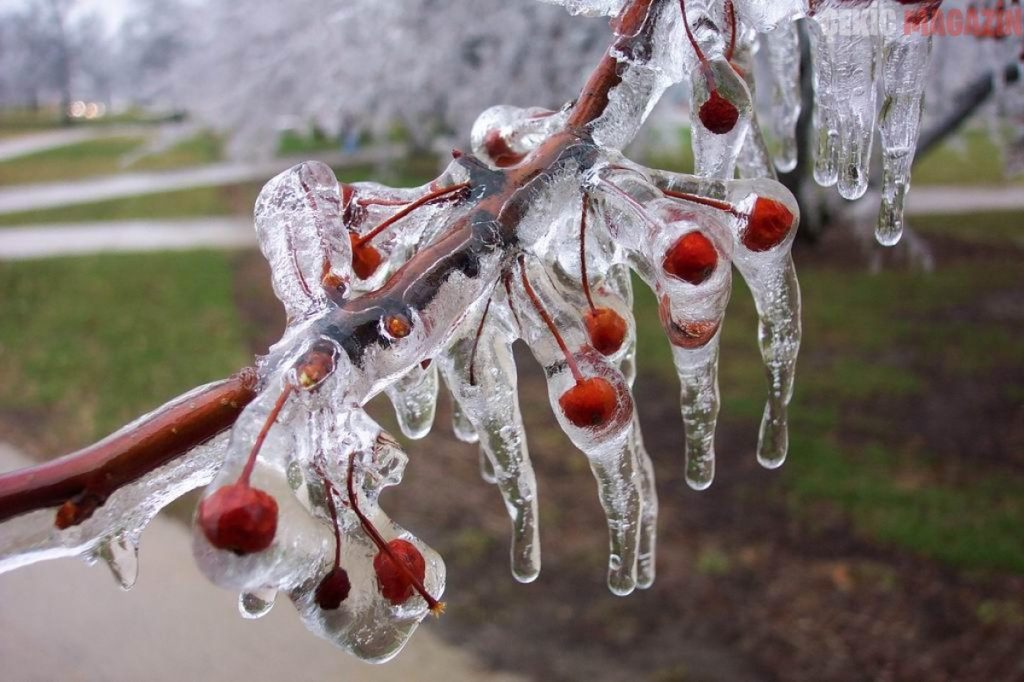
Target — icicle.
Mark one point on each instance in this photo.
(826, 113)
(414, 397)
(905, 58)
(256, 604)
(782, 47)
(606, 399)
(480, 371)
(461, 425)
(851, 91)
(121, 554)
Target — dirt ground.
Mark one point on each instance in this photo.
(747, 588)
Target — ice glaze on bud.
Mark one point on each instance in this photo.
(692, 258)
(606, 329)
(718, 114)
(500, 152)
(395, 584)
(590, 403)
(768, 224)
(365, 258)
(239, 518)
(333, 589)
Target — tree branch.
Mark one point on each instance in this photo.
(81, 482)
(967, 101)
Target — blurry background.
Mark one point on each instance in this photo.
(134, 137)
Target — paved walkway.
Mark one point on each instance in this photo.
(63, 620)
(33, 197)
(72, 239)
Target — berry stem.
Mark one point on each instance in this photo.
(246, 474)
(506, 279)
(435, 606)
(332, 509)
(696, 47)
(730, 14)
(583, 251)
(535, 300)
(425, 199)
(703, 201)
(476, 342)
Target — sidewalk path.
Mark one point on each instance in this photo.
(32, 197)
(959, 199)
(63, 620)
(71, 239)
(23, 145)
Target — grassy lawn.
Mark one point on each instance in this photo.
(84, 350)
(972, 158)
(106, 156)
(201, 201)
(879, 352)
(71, 162)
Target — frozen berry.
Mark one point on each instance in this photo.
(591, 402)
(365, 258)
(239, 518)
(692, 258)
(333, 589)
(768, 225)
(718, 114)
(606, 329)
(500, 152)
(689, 334)
(397, 585)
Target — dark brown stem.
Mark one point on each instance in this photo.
(583, 252)
(730, 16)
(83, 480)
(703, 201)
(371, 530)
(250, 464)
(332, 509)
(476, 342)
(539, 307)
(425, 199)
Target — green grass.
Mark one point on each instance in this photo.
(82, 347)
(198, 150)
(106, 156)
(71, 162)
(15, 122)
(872, 341)
(202, 201)
(971, 159)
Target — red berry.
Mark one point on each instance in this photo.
(239, 518)
(768, 224)
(395, 584)
(692, 258)
(606, 328)
(718, 114)
(365, 258)
(333, 589)
(498, 149)
(590, 402)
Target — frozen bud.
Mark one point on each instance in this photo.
(768, 224)
(397, 583)
(718, 114)
(692, 258)
(606, 329)
(333, 589)
(590, 403)
(365, 258)
(239, 518)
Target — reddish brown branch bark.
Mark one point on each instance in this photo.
(81, 482)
